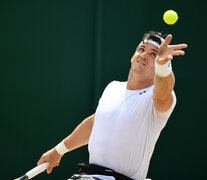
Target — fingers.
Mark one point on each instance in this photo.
(170, 57)
(165, 59)
(167, 40)
(175, 47)
(178, 53)
(57, 164)
(52, 157)
(166, 51)
(42, 160)
(179, 46)
(49, 168)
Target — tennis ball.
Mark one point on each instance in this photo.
(170, 17)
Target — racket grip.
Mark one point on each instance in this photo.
(35, 171)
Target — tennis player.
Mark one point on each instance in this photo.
(122, 133)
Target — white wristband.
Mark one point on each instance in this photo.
(163, 70)
(61, 148)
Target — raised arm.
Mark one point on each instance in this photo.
(164, 79)
(79, 137)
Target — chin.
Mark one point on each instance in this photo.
(138, 70)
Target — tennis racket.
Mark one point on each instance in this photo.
(34, 172)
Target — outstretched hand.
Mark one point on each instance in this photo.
(166, 51)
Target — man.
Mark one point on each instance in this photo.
(129, 118)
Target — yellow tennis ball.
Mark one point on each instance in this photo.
(170, 17)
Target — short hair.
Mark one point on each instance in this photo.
(154, 36)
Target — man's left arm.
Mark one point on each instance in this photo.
(162, 92)
(164, 79)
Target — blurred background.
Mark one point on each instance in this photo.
(56, 57)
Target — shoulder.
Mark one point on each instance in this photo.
(113, 87)
(116, 84)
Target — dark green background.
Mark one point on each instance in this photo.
(57, 57)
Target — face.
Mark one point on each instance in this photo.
(143, 60)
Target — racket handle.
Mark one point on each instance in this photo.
(37, 170)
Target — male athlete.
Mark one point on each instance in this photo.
(122, 133)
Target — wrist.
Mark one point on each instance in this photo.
(61, 148)
(163, 70)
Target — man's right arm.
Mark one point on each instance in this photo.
(79, 137)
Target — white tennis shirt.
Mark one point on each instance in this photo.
(125, 130)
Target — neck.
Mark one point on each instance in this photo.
(136, 81)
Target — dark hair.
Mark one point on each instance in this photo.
(155, 36)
